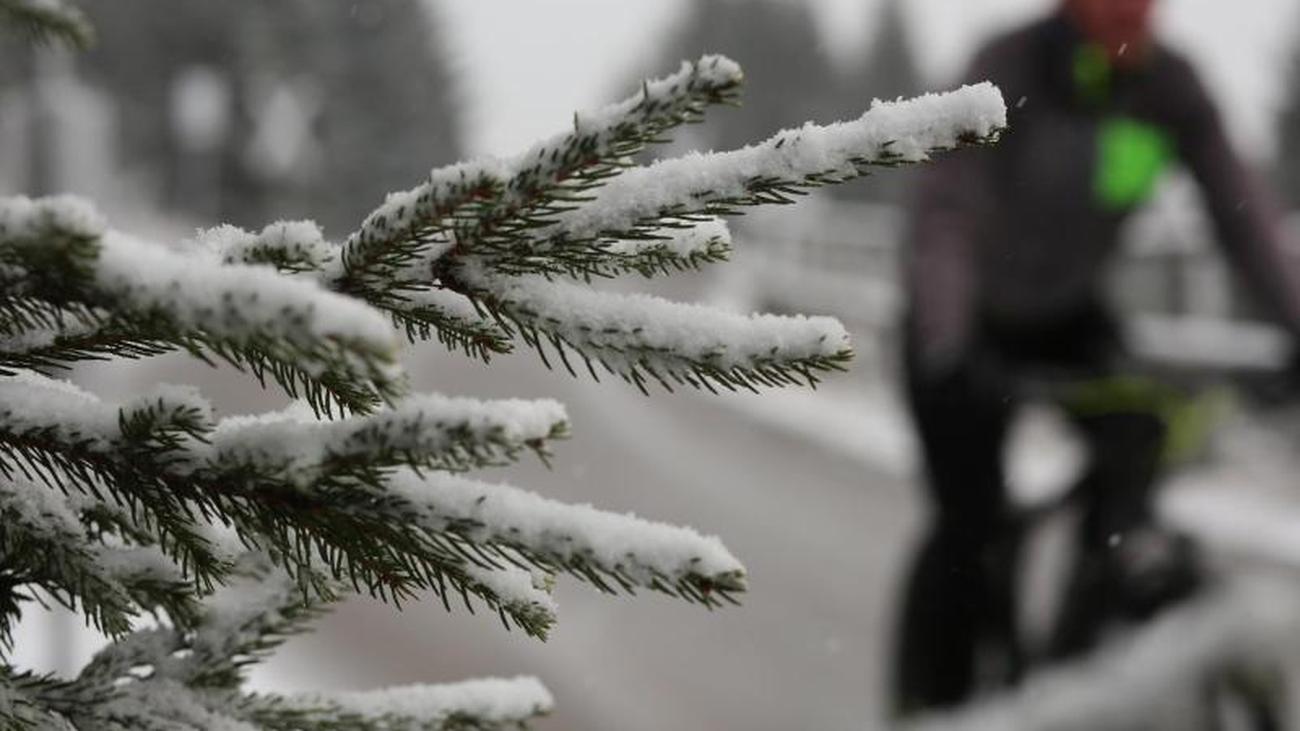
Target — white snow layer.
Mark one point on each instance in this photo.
(195, 289)
(561, 532)
(447, 187)
(240, 302)
(42, 513)
(33, 401)
(902, 131)
(298, 241)
(418, 425)
(25, 219)
(682, 242)
(625, 329)
(491, 700)
(524, 592)
(450, 304)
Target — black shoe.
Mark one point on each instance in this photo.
(1153, 568)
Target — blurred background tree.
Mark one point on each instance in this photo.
(1286, 166)
(234, 111)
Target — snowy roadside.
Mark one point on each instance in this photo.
(1243, 506)
(1243, 503)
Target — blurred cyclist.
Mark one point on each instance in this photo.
(1007, 251)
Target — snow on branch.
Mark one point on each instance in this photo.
(680, 245)
(327, 482)
(47, 20)
(333, 348)
(662, 250)
(889, 133)
(493, 203)
(427, 431)
(488, 704)
(452, 318)
(46, 546)
(608, 550)
(642, 337)
(523, 594)
(163, 676)
(289, 246)
(124, 457)
(424, 311)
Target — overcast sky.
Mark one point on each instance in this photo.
(529, 64)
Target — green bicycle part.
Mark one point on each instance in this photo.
(1189, 418)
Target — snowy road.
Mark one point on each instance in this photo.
(822, 539)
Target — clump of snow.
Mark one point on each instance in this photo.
(492, 700)
(25, 220)
(297, 241)
(682, 242)
(40, 508)
(32, 401)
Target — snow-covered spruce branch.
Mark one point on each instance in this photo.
(888, 134)
(422, 310)
(641, 337)
(332, 486)
(582, 239)
(44, 545)
(608, 550)
(683, 245)
(57, 435)
(329, 348)
(425, 432)
(489, 704)
(608, 235)
(323, 481)
(167, 678)
(492, 205)
(47, 20)
(56, 345)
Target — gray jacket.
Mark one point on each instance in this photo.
(1019, 234)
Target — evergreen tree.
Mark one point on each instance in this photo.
(1287, 162)
(321, 73)
(238, 531)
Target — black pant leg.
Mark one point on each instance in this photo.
(959, 597)
(1117, 493)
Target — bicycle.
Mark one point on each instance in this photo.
(1149, 571)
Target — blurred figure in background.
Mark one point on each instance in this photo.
(1006, 258)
